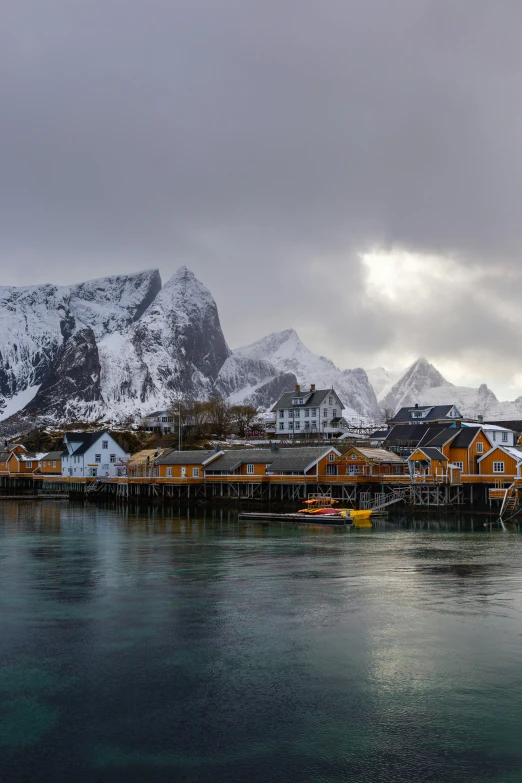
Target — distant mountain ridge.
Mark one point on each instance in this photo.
(422, 383)
(125, 345)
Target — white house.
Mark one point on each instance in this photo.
(496, 434)
(318, 412)
(92, 454)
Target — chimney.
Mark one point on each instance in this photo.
(297, 387)
(416, 404)
(312, 387)
(274, 447)
(480, 418)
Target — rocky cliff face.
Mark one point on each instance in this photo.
(120, 346)
(36, 320)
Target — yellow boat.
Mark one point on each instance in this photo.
(361, 518)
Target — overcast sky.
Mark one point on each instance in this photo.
(351, 169)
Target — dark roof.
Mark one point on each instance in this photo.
(439, 438)
(433, 453)
(465, 437)
(379, 434)
(313, 399)
(155, 414)
(231, 460)
(297, 459)
(513, 424)
(55, 455)
(197, 457)
(434, 412)
(412, 433)
(4, 456)
(86, 440)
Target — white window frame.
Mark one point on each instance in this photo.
(496, 466)
(281, 425)
(480, 447)
(105, 444)
(168, 472)
(250, 469)
(297, 425)
(195, 472)
(505, 437)
(28, 464)
(459, 465)
(331, 457)
(112, 459)
(54, 463)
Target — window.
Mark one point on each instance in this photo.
(331, 456)
(290, 425)
(297, 414)
(480, 447)
(307, 413)
(314, 411)
(353, 469)
(113, 458)
(281, 426)
(330, 400)
(334, 413)
(105, 444)
(29, 464)
(169, 472)
(163, 418)
(54, 463)
(307, 425)
(314, 424)
(281, 414)
(250, 469)
(331, 470)
(325, 411)
(291, 414)
(459, 465)
(494, 435)
(354, 456)
(195, 472)
(498, 467)
(97, 457)
(297, 425)
(504, 437)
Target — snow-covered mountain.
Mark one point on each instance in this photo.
(120, 346)
(285, 351)
(422, 383)
(382, 380)
(418, 379)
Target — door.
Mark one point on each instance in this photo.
(183, 472)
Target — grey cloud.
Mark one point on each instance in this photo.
(250, 139)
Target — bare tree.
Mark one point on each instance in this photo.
(219, 415)
(243, 417)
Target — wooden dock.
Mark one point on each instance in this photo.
(312, 519)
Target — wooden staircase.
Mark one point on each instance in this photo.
(510, 502)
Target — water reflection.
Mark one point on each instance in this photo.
(165, 644)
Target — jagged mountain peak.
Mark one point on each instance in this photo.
(419, 378)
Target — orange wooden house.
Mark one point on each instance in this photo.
(51, 463)
(501, 463)
(22, 463)
(451, 450)
(184, 464)
(5, 455)
(371, 463)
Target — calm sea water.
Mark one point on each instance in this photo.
(155, 646)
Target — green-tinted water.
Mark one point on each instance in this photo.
(140, 646)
